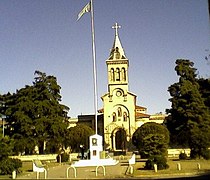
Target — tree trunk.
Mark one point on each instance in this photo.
(41, 147)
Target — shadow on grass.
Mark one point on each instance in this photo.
(124, 164)
(205, 175)
(5, 176)
(175, 159)
(141, 160)
(181, 159)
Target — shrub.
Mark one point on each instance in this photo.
(151, 139)
(193, 154)
(8, 165)
(182, 156)
(17, 163)
(161, 162)
(64, 157)
(206, 154)
(197, 153)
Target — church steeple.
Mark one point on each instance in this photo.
(117, 66)
(119, 104)
(117, 51)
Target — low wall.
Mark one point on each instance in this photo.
(177, 152)
(52, 157)
(42, 157)
(73, 156)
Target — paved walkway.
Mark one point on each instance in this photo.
(60, 172)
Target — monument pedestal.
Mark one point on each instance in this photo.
(96, 148)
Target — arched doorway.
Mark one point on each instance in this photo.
(120, 139)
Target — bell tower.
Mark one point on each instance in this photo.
(119, 103)
(117, 66)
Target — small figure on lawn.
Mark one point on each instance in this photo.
(82, 151)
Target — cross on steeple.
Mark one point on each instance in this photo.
(117, 51)
(116, 27)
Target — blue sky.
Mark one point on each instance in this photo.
(44, 35)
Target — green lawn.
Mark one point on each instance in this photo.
(5, 176)
(187, 167)
(28, 167)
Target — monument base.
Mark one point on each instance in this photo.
(98, 162)
(96, 154)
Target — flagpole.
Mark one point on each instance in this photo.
(94, 67)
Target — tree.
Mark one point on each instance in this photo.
(205, 90)
(34, 115)
(188, 115)
(5, 148)
(78, 135)
(20, 110)
(50, 117)
(7, 165)
(151, 139)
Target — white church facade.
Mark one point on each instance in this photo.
(120, 116)
(119, 104)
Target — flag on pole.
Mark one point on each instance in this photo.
(84, 10)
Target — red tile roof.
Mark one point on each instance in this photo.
(142, 115)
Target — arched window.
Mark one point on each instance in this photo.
(114, 117)
(112, 74)
(123, 74)
(119, 112)
(117, 74)
(124, 116)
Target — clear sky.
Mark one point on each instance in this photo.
(44, 35)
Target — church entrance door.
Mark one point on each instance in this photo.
(120, 139)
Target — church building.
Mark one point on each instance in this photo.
(119, 103)
(120, 116)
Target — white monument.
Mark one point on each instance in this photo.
(96, 147)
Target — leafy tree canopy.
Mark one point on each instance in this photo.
(34, 114)
(205, 90)
(189, 113)
(151, 139)
(78, 135)
(6, 146)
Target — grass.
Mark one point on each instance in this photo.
(5, 176)
(187, 167)
(27, 167)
